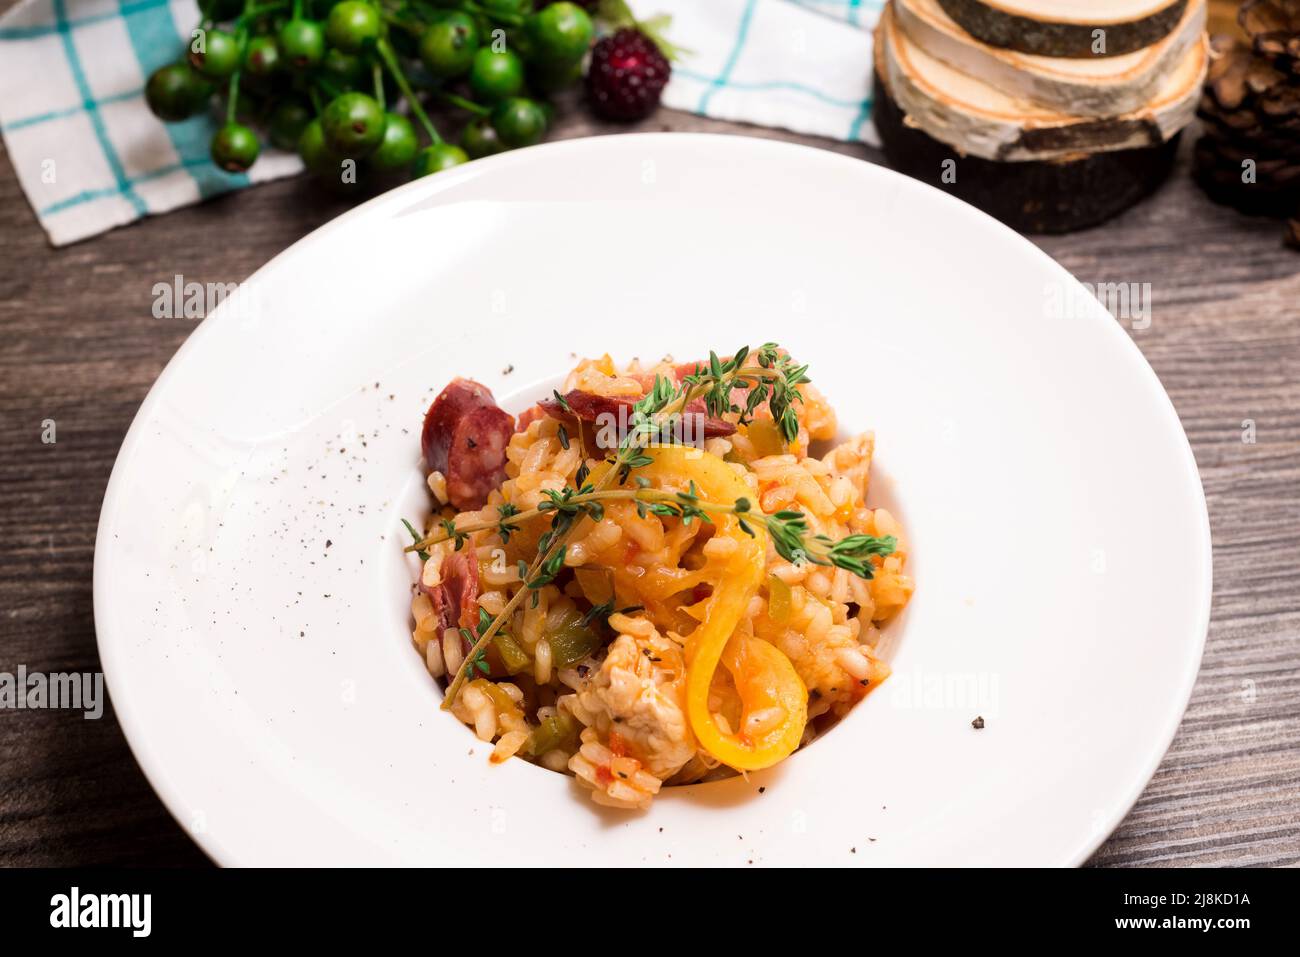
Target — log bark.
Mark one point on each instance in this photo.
(1049, 34)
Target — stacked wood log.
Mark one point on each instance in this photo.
(1052, 115)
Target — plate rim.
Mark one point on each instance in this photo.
(108, 645)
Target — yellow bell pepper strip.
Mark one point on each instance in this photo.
(770, 689)
(766, 437)
(774, 699)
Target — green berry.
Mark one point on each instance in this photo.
(346, 70)
(262, 56)
(398, 147)
(448, 46)
(316, 155)
(288, 120)
(353, 124)
(480, 138)
(353, 25)
(219, 56)
(303, 43)
(496, 75)
(235, 148)
(519, 122)
(560, 34)
(436, 158)
(175, 92)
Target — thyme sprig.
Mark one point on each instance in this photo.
(477, 660)
(775, 378)
(791, 535)
(544, 556)
(417, 547)
(776, 381)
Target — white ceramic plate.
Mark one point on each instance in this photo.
(251, 598)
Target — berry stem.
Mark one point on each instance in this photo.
(252, 12)
(501, 16)
(386, 53)
(232, 104)
(327, 86)
(377, 74)
(469, 105)
(402, 23)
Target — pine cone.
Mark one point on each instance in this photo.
(1249, 157)
(1274, 30)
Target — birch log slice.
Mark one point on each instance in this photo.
(1048, 196)
(1106, 86)
(977, 119)
(1068, 28)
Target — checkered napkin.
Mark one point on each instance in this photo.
(802, 65)
(90, 156)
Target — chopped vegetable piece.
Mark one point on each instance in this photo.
(573, 640)
(778, 600)
(773, 698)
(555, 731)
(513, 657)
(504, 704)
(766, 436)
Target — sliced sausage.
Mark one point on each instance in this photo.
(589, 407)
(453, 403)
(464, 437)
(529, 416)
(455, 598)
(460, 590)
(476, 462)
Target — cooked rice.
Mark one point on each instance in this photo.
(628, 698)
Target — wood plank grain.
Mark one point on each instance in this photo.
(80, 346)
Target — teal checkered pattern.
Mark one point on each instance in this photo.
(800, 64)
(860, 13)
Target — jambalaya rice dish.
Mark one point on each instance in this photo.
(649, 579)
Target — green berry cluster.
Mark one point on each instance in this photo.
(325, 78)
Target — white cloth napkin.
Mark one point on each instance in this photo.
(90, 156)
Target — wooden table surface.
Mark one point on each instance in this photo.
(79, 344)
